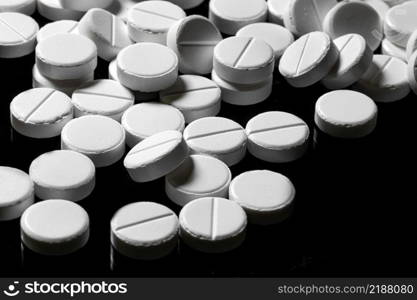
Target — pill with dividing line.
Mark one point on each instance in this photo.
(57, 27)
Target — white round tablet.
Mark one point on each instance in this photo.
(412, 72)
(400, 23)
(187, 4)
(85, 5)
(66, 56)
(231, 15)
(219, 137)
(199, 176)
(346, 114)
(55, 227)
(57, 27)
(267, 197)
(355, 57)
(149, 21)
(107, 31)
(194, 51)
(155, 71)
(243, 94)
(243, 60)
(386, 80)
(17, 34)
(26, 7)
(63, 174)
(54, 10)
(40, 112)
(195, 96)
(355, 17)
(391, 49)
(146, 119)
(144, 230)
(411, 45)
(16, 193)
(276, 10)
(277, 137)
(213, 225)
(309, 59)
(100, 138)
(102, 97)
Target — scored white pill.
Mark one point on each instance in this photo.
(391, 49)
(55, 227)
(149, 21)
(243, 60)
(412, 72)
(144, 230)
(17, 34)
(276, 10)
(277, 137)
(219, 137)
(194, 51)
(231, 15)
(195, 96)
(309, 59)
(366, 19)
(85, 5)
(54, 10)
(243, 94)
(355, 57)
(107, 31)
(155, 71)
(346, 114)
(17, 193)
(102, 97)
(400, 23)
(57, 27)
(145, 119)
(156, 156)
(198, 176)
(26, 7)
(411, 45)
(40, 113)
(66, 56)
(213, 225)
(100, 138)
(386, 79)
(63, 174)
(187, 4)
(267, 197)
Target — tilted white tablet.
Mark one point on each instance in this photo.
(107, 31)
(187, 4)
(155, 71)
(144, 230)
(213, 225)
(346, 114)
(243, 60)
(55, 227)
(40, 113)
(411, 45)
(85, 5)
(195, 96)
(149, 21)
(17, 34)
(412, 72)
(57, 27)
(26, 7)
(267, 197)
(386, 79)
(54, 10)
(102, 97)
(219, 137)
(100, 138)
(231, 15)
(63, 174)
(156, 156)
(391, 49)
(66, 56)
(243, 94)
(309, 59)
(17, 193)
(355, 57)
(400, 23)
(276, 10)
(198, 176)
(194, 51)
(277, 137)
(366, 19)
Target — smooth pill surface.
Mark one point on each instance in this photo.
(54, 10)
(156, 156)
(40, 112)
(187, 4)
(391, 49)
(57, 27)
(85, 5)
(411, 44)
(195, 96)
(213, 225)
(17, 193)
(346, 114)
(400, 23)
(412, 72)
(199, 176)
(102, 97)
(266, 196)
(100, 138)
(26, 7)
(63, 174)
(144, 230)
(276, 10)
(55, 227)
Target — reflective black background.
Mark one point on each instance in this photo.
(355, 211)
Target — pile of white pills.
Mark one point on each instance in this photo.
(159, 112)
